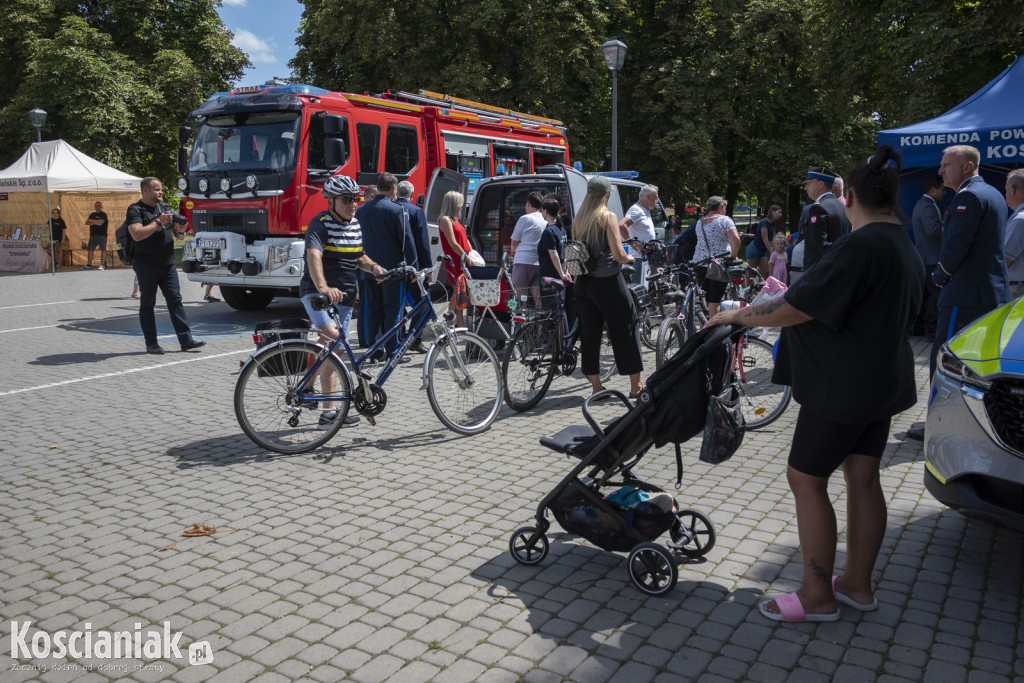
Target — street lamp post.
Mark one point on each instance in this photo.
(614, 56)
(38, 117)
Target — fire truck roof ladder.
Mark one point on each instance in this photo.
(433, 99)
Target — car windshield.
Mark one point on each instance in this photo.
(249, 142)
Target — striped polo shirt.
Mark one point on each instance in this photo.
(341, 245)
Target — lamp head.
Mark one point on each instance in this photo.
(37, 117)
(614, 54)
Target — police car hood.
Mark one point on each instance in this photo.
(994, 344)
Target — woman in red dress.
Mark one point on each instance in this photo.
(455, 242)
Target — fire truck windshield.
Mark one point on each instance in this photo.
(247, 142)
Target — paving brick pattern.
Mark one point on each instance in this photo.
(383, 556)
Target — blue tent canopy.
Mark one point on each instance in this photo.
(992, 120)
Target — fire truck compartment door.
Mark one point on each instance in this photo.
(463, 145)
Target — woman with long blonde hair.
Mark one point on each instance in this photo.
(455, 242)
(601, 296)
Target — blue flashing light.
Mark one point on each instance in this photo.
(625, 175)
(297, 90)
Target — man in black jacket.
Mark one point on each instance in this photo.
(826, 218)
(153, 226)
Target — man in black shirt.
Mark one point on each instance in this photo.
(97, 223)
(153, 227)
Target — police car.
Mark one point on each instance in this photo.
(974, 434)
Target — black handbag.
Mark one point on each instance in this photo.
(716, 271)
(724, 425)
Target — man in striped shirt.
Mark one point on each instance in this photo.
(334, 251)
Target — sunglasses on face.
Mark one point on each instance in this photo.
(348, 200)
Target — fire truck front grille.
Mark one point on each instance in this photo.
(230, 220)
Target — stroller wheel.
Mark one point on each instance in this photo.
(693, 535)
(653, 568)
(528, 545)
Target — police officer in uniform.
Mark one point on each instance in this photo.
(154, 227)
(826, 218)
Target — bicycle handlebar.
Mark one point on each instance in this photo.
(320, 302)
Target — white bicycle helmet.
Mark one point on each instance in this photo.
(337, 185)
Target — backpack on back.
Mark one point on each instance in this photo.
(125, 244)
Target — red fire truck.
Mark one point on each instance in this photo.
(253, 174)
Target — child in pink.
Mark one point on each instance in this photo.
(778, 258)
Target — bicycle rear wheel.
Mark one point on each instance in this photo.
(762, 401)
(671, 337)
(464, 387)
(269, 408)
(529, 365)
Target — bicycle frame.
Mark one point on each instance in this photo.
(421, 313)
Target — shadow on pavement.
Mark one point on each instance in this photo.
(75, 358)
(583, 596)
(222, 451)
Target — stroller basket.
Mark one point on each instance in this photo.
(575, 513)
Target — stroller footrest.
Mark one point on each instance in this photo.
(567, 440)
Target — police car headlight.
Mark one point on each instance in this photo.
(182, 184)
(277, 256)
(204, 184)
(954, 368)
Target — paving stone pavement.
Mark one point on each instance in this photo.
(384, 556)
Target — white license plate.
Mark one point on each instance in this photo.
(210, 244)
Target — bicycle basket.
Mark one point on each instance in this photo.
(273, 331)
(655, 254)
(641, 297)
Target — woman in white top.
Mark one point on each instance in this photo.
(716, 233)
(525, 261)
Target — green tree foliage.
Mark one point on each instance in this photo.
(537, 57)
(116, 78)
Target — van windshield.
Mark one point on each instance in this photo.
(258, 142)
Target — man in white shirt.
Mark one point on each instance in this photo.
(1014, 245)
(638, 224)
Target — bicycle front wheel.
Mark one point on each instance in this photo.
(762, 401)
(529, 366)
(671, 337)
(464, 387)
(271, 409)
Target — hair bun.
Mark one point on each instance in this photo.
(882, 157)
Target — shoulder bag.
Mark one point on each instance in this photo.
(716, 271)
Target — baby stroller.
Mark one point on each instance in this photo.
(671, 409)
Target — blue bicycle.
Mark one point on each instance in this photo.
(286, 389)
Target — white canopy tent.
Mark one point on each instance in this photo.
(54, 174)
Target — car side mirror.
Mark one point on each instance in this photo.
(421, 200)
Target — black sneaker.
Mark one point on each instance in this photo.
(190, 344)
(155, 349)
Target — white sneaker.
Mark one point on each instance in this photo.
(101, 267)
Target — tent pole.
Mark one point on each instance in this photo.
(49, 217)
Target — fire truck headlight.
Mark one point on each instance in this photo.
(204, 185)
(250, 182)
(182, 184)
(277, 256)
(225, 185)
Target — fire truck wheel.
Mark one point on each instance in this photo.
(247, 298)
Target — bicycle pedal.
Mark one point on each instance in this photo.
(371, 419)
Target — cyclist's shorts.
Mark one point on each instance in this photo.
(820, 445)
(321, 318)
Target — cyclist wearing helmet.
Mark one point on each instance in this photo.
(334, 251)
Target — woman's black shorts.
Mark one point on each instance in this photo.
(820, 445)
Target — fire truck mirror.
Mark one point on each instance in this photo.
(184, 133)
(182, 160)
(334, 152)
(334, 125)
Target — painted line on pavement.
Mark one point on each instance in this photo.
(24, 329)
(52, 303)
(124, 372)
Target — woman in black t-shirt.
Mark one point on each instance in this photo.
(846, 352)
